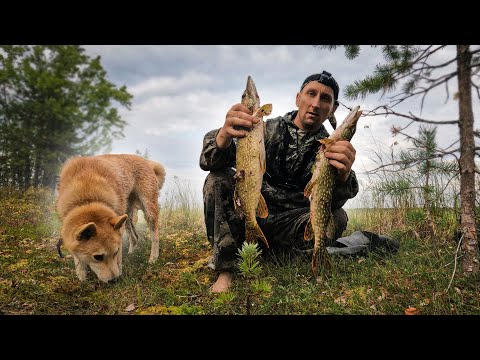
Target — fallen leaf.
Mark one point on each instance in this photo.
(130, 307)
(383, 295)
(340, 300)
(412, 311)
(425, 302)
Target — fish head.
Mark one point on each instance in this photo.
(348, 132)
(349, 125)
(250, 97)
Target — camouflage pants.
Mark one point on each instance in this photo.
(226, 231)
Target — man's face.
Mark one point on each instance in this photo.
(314, 102)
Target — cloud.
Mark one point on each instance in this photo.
(170, 84)
(182, 92)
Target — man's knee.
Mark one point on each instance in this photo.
(219, 179)
(341, 220)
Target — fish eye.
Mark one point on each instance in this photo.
(98, 257)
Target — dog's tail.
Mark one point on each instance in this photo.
(159, 172)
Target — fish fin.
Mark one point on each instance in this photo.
(253, 233)
(330, 228)
(308, 189)
(326, 142)
(237, 205)
(309, 234)
(315, 262)
(264, 110)
(321, 261)
(262, 209)
(267, 109)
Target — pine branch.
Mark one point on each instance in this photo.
(435, 156)
(424, 90)
(427, 55)
(476, 88)
(425, 67)
(389, 111)
(352, 51)
(448, 93)
(475, 51)
(448, 182)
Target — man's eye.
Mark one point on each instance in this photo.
(98, 257)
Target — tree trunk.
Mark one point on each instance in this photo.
(27, 173)
(431, 233)
(36, 178)
(470, 262)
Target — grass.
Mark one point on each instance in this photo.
(35, 280)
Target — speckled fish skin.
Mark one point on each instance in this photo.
(250, 167)
(320, 189)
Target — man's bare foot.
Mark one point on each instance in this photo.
(223, 283)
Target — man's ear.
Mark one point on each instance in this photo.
(297, 99)
(335, 106)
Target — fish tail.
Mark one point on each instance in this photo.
(253, 233)
(320, 260)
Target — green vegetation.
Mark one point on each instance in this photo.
(410, 72)
(251, 270)
(35, 280)
(56, 102)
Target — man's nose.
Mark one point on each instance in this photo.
(316, 103)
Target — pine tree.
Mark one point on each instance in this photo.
(417, 69)
(55, 102)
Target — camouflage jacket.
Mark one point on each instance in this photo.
(290, 154)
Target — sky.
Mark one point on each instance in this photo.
(182, 92)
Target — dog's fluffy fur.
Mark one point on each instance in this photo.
(97, 195)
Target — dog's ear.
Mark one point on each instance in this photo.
(86, 231)
(118, 221)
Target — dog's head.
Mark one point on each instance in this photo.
(94, 236)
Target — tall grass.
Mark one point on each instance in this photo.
(29, 213)
(179, 207)
(405, 191)
(422, 275)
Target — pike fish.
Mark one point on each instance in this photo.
(319, 189)
(250, 167)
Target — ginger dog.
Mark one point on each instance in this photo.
(97, 195)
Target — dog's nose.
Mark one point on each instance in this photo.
(112, 281)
